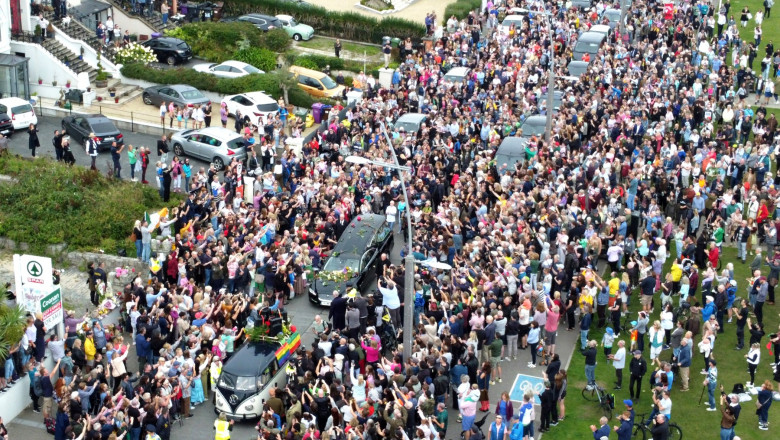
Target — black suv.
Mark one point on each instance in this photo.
(170, 50)
(263, 22)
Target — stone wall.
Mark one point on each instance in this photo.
(59, 253)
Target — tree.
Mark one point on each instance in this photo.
(12, 324)
(286, 80)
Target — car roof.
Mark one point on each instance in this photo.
(96, 116)
(512, 145)
(284, 17)
(460, 71)
(234, 63)
(355, 238)
(535, 120)
(259, 97)
(14, 100)
(180, 87)
(514, 17)
(602, 28)
(308, 72)
(412, 117)
(258, 16)
(591, 36)
(251, 359)
(218, 132)
(168, 39)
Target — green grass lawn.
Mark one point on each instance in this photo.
(770, 27)
(695, 421)
(326, 44)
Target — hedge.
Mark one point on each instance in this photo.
(52, 203)
(217, 41)
(263, 59)
(318, 62)
(347, 25)
(460, 9)
(268, 82)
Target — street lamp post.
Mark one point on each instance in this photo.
(408, 300)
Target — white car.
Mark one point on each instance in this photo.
(228, 69)
(20, 111)
(253, 106)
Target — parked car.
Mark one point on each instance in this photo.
(263, 22)
(613, 15)
(456, 75)
(20, 111)
(588, 42)
(510, 152)
(214, 144)
(582, 4)
(359, 249)
(78, 127)
(513, 19)
(181, 95)
(316, 83)
(301, 3)
(534, 125)
(578, 68)
(298, 31)
(252, 106)
(410, 122)
(6, 125)
(228, 69)
(169, 50)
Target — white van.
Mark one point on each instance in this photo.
(22, 114)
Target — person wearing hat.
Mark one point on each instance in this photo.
(222, 427)
(638, 369)
(151, 433)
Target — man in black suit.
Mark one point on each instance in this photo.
(338, 311)
(162, 149)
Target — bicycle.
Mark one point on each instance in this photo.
(599, 394)
(642, 432)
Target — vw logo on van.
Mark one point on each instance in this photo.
(233, 399)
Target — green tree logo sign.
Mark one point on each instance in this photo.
(34, 268)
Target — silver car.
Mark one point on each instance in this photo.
(181, 94)
(214, 144)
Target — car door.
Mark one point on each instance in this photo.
(367, 261)
(305, 83)
(82, 128)
(223, 71)
(173, 95)
(237, 103)
(195, 146)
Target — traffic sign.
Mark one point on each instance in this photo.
(526, 384)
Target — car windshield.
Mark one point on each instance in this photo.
(586, 47)
(236, 143)
(293, 22)
(328, 82)
(252, 69)
(182, 45)
(335, 264)
(192, 94)
(409, 127)
(104, 127)
(24, 108)
(512, 21)
(533, 128)
(268, 107)
(237, 383)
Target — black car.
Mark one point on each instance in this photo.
(353, 260)
(170, 50)
(80, 126)
(262, 22)
(6, 125)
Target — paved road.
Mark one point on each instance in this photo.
(46, 127)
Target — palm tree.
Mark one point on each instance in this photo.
(12, 324)
(286, 81)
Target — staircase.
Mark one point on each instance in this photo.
(69, 58)
(154, 22)
(78, 31)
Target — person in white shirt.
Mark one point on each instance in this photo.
(390, 299)
(391, 212)
(619, 362)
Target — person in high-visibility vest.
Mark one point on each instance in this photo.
(222, 427)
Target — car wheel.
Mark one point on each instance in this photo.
(171, 60)
(297, 37)
(178, 149)
(218, 163)
(147, 99)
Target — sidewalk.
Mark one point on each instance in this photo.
(414, 12)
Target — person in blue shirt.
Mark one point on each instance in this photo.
(498, 429)
(626, 426)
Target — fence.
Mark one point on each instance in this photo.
(136, 122)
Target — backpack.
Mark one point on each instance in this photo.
(37, 388)
(50, 424)
(738, 388)
(528, 416)
(610, 399)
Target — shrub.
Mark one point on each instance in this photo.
(307, 63)
(263, 59)
(277, 40)
(347, 25)
(217, 41)
(135, 53)
(52, 203)
(460, 9)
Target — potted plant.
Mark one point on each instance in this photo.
(67, 84)
(54, 82)
(38, 34)
(40, 80)
(112, 91)
(101, 80)
(116, 99)
(99, 98)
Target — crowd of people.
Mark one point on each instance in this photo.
(657, 159)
